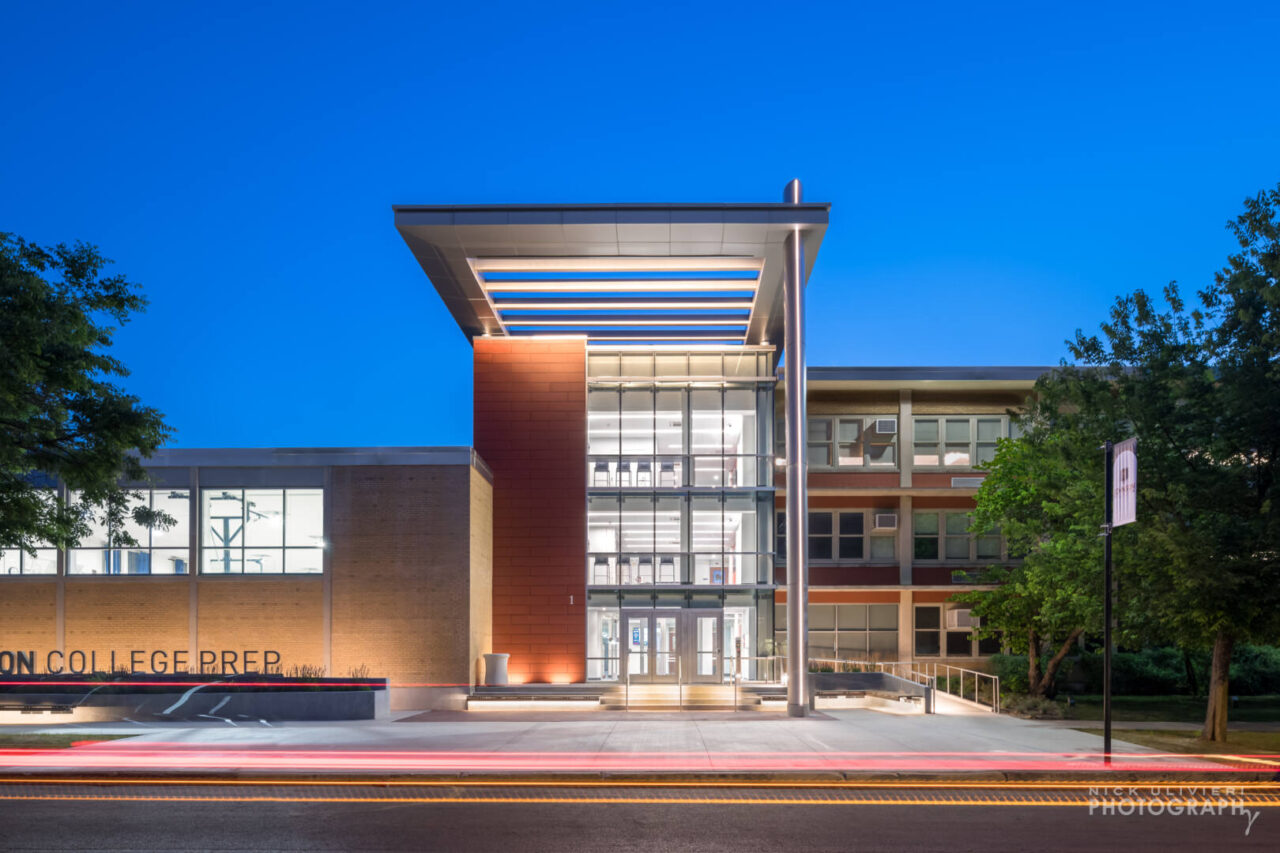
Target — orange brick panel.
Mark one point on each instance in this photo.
(930, 596)
(956, 502)
(530, 426)
(845, 596)
(844, 575)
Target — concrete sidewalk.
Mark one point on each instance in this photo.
(829, 744)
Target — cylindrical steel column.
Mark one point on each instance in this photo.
(797, 469)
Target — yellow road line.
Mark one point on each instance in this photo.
(734, 801)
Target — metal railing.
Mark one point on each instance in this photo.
(771, 669)
(969, 685)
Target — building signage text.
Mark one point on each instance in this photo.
(140, 661)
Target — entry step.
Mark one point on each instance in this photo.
(675, 697)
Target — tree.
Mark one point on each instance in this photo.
(61, 418)
(1200, 389)
(1043, 492)
(1244, 303)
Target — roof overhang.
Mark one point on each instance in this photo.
(614, 273)
(987, 378)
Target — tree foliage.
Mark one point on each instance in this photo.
(62, 418)
(1200, 388)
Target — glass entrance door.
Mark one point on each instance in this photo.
(703, 628)
(654, 646)
(669, 646)
(636, 664)
(667, 666)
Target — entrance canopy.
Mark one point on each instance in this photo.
(614, 273)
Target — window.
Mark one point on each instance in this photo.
(603, 643)
(849, 442)
(852, 526)
(819, 439)
(846, 631)
(158, 551)
(947, 630)
(43, 560)
(663, 437)
(960, 625)
(925, 532)
(928, 631)
(15, 561)
(667, 539)
(262, 531)
(852, 441)
(956, 536)
(840, 536)
(946, 536)
(819, 536)
(678, 364)
(956, 442)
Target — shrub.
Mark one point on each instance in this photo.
(1150, 672)
(1012, 672)
(1255, 670)
(1154, 671)
(304, 671)
(1033, 708)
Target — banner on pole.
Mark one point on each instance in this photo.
(1124, 483)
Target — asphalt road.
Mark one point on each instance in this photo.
(514, 819)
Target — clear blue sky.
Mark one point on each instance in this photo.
(997, 175)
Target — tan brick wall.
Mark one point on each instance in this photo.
(285, 615)
(400, 572)
(28, 617)
(122, 615)
(481, 570)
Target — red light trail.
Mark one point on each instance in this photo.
(152, 756)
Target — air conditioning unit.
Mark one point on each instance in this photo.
(886, 426)
(885, 521)
(959, 619)
(966, 482)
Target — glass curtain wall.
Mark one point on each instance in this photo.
(680, 487)
(679, 483)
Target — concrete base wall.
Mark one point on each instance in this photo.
(203, 706)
